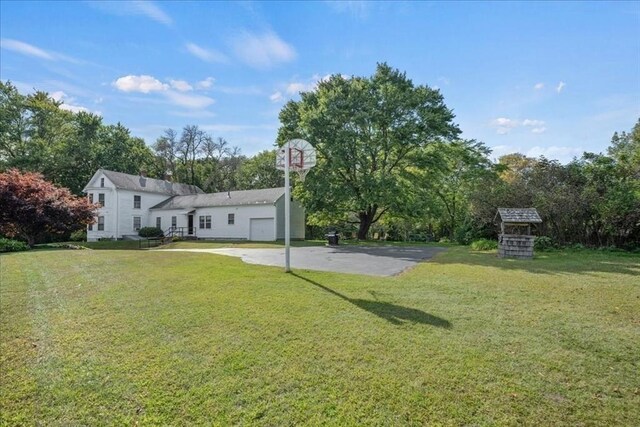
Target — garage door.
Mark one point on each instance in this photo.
(262, 229)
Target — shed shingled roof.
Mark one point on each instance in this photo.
(519, 215)
(267, 196)
(141, 183)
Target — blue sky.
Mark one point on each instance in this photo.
(541, 78)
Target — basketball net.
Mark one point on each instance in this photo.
(296, 163)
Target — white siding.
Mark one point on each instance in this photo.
(127, 211)
(220, 229)
(118, 210)
(297, 219)
(109, 211)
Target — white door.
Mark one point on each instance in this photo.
(262, 229)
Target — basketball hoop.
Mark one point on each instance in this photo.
(302, 155)
(302, 174)
(298, 156)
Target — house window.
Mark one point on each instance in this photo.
(101, 182)
(90, 197)
(205, 221)
(100, 223)
(174, 222)
(231, 219)
(136, 223)
(136, 202)
(158, 222)
(90, 227)
(101, 199)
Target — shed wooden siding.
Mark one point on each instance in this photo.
(515, 246)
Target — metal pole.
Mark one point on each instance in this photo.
(287, 209)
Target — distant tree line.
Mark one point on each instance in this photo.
(390, 165)
(67, 148)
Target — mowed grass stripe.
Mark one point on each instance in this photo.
(184, 338)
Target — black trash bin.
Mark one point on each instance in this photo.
(332, 238)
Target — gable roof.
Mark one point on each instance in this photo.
(519, 215)
(140, 183)
(267, 196)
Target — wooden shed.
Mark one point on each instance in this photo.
(515, 239)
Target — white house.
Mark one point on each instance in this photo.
(130, 202)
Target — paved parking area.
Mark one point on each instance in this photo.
(369, 260)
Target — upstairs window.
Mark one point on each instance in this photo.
(136, 202)
(231, 219)
(136, 223)
(100, 223)
(101, 199)
(90, 196)
(101, 182)
(205, 221)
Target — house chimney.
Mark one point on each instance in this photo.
(168, 176)
(143, 173)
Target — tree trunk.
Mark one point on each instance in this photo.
(31, 240)
(366, 220)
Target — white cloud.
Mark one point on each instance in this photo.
(504, 125)
(134, 8)
(560, 86)
(68, 103)
(206, 83)
(207, 55)
(142, 83)
(232, 128)
(180, 85)
(34, 51)
(563, 154)
(262, 51)
(189, 101)
(151, 10)
(529, 122)
(505, 122)
(554, 152)
(294, 88)
(539, 86)
(359, 9)
(276, 96)
(26, 49)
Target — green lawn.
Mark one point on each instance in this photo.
(150, 337)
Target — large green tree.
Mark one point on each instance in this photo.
(67, 148)
(365, 130)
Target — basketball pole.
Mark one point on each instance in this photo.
(287, 210)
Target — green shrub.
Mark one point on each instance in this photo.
(150, 232)
(78, 236)
(59, 246)
(8, 245)
(543, 243)
(484, 245)
(444, 240)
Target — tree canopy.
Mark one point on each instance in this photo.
(33, 207)
(365, 130)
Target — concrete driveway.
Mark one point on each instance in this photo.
(369, 260)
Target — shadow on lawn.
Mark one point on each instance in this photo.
(392, 313)
(554, 262)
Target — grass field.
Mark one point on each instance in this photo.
(150, 337)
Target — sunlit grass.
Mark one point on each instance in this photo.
(119, 337)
